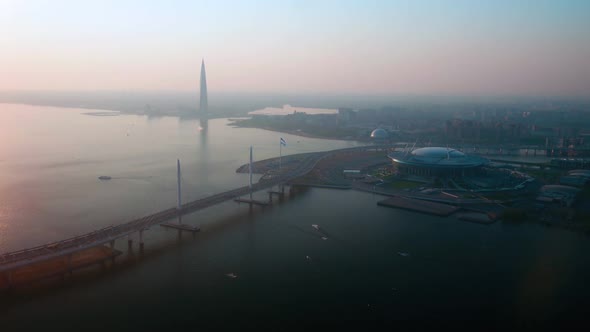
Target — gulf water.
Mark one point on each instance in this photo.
(377, 265)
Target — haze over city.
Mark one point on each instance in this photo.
(291, 164)
(513, 48)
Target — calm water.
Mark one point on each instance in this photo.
(50, 159)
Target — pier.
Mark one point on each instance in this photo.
(438, 209)
(251, 201)
(479, 218)
(181, 227)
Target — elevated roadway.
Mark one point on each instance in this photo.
(17, 259)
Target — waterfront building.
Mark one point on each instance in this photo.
(574, 181)
(557, 194)
(571, 163)
(435, 161)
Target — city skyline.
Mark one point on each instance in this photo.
(378, 47)
(361, 161)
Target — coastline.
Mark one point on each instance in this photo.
(96, 110)
(300, 133)
(327, 174)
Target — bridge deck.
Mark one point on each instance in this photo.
(58, 266)
(17, 259)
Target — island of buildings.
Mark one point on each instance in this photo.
(534, 162)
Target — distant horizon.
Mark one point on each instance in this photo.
(382, 47)
(292, 93)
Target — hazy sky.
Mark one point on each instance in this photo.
(457, 47)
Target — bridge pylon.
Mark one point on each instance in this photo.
(179, 225)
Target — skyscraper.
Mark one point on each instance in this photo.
(203, 106)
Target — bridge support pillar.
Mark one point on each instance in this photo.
(7, 275)
(129, 243)
(269, 197)
(141, 241)
(69, 264)
(112, 244)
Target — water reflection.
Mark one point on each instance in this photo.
(203, 129)
(203, 152)
(60, 184)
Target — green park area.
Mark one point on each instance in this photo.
(401, 184)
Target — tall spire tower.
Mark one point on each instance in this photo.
(203, 106)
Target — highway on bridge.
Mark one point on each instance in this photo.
(17, 259)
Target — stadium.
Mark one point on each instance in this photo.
(436, 162)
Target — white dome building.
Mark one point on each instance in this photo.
(435, 161)
(379, 133)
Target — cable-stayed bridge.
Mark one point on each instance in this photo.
(18, 259)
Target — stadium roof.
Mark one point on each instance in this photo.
(437, 157)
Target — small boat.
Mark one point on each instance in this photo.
(316, 226)
(324, 238)
(404, 254)
(231, 275)
(104, 177)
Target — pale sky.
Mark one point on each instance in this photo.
(458, 47)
